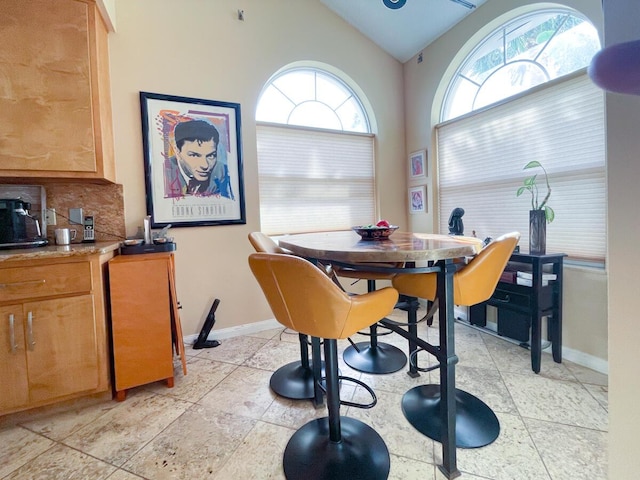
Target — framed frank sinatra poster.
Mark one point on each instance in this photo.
(193, 161)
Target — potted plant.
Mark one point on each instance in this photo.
(541, 213)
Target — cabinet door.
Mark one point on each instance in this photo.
(140, 319)
(63, 358)
(46, 106)
(13, 363)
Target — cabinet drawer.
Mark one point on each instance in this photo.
(20, 283)
(521, 296)
(507, 297)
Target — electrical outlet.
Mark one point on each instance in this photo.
(75, 216)
(51, 216)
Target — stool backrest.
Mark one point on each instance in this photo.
(473, 283)
(476, 282)
(263, 243)
(304, 299)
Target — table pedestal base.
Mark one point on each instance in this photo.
(476, 424)
(293, 381)
(383, 358)
(361, 452)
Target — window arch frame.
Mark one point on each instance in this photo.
(466, 54)
(335, 77)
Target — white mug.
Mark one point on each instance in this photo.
(64, 236)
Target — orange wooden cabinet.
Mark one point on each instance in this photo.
(52, 331)
(55, 109)
(144, 320)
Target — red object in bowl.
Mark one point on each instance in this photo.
(375, 233)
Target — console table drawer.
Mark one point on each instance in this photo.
(520, 296)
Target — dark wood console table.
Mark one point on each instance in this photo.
(521, 307)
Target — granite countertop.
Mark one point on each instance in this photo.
(58, 251)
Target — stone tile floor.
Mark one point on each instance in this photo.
(221, 421)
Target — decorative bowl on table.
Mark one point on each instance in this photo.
(372, 232)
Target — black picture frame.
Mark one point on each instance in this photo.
(201, 182)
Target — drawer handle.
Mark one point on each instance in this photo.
(506, 299)
(30, 338)
(12, 333)
(23, 284)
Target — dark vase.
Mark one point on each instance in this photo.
(537, 232)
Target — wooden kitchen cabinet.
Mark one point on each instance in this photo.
(145, 325)
(53, 331)
(55, 105)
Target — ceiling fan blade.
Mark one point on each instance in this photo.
(464, 3)
(394, 4)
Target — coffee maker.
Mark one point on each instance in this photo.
(18, 228)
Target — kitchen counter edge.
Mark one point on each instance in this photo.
(58, 251)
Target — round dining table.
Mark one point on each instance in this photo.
(420, 253)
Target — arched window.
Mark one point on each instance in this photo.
(523, 53)
(523, 95)
(315, 154)
(312, 98)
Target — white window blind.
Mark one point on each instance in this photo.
(313, 180)
(481, 158)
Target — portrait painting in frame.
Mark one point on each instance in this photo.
(418, 164)
(417, 199)
(193, 161)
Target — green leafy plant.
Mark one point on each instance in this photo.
(531, 186)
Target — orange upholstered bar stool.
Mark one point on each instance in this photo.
(476, 424)
(303, 298)
(293, 380)
(372, 356)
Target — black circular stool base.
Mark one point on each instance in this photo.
(293, 381)
(476, 424)
(362, 454)
(384, 358)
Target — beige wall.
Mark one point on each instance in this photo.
(623, 154)
(585, 300)
(198, 48)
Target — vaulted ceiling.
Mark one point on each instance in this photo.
(407, 27)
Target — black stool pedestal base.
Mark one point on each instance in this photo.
(383, 358)
(362, 454)
(293, 381)
(476, 424)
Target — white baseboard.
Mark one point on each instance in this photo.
(586, 360)
(247, 329)
(575, 356)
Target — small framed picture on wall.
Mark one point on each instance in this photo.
(418, 199)
(418, 164)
